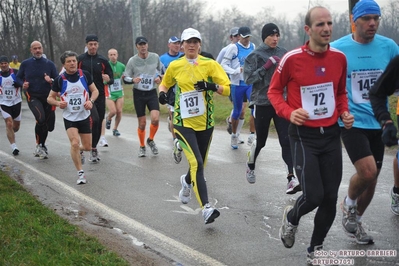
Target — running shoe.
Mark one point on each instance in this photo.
(43, 152)
(142, 152)
(177, 151)
(293, 186)
(185, 191)
(394, 202)
(229, 126)
(82, 158)
(116, 133)
(94, 156)
(81, 178)
(239, 139)
(349, 222)
(15, 151)
(209, 214)
(103, 142)
(37, 151)
(234, 141)
(251, 139)
(251, 177)
(152, 145)
(108, 124)
(287, 230)
(361, 237)
(310, 257)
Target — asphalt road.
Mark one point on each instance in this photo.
(140, 196)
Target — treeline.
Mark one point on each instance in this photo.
(22, 21)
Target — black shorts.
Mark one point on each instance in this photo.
(14, 111)
(142, 99)
(83, 126)
(360, 143)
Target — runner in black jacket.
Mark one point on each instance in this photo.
(386, 85)
(101, 72)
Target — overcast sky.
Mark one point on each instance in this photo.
(288, 7)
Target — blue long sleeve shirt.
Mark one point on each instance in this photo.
(32, 70)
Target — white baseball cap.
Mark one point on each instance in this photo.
(190, 33)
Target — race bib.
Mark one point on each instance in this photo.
(361, 83)
(191, 104)
(146, 82)
(117, 86)
(9, 93)
(76, 102)
(318, 100)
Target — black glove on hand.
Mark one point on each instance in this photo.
(15, 85)
(389, 135)
(205, 86)
(163, 98)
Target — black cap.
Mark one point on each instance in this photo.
(269, 29)
(244, 32)
(91, 38)
(3, 58)
(141, 39)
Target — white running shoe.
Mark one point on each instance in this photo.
(43, 152)
(251, 177)
(81, 178)
(287, 230)
(240, 140)
(94, 156)
(103, 142)
(209, 214)
(36, 153)
(251, 139)
(177, 151)
(293, 186)
(185, 191)
(394, 202)
(234, 141)
(153, 147)
(142, 152)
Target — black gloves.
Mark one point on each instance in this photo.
(389, 135)
(163, 98)
(15, 85)
(205, 86)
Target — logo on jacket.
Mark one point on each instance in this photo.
(320, 71)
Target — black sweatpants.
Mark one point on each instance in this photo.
(317, 156)
(195, 145)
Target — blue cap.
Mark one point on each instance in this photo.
(364, 7)
(173, 39)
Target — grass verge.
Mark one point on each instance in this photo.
(32, 234)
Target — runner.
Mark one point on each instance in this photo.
(74, 86)
(101, 72)
(35, 76)
(368, 54)
(115, 100)
(10, 101)
(144, 70)
(172, 54)
(314, 78)
(232, 63)
(258, 70)
(197, 78)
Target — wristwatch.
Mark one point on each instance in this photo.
(92, 101)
